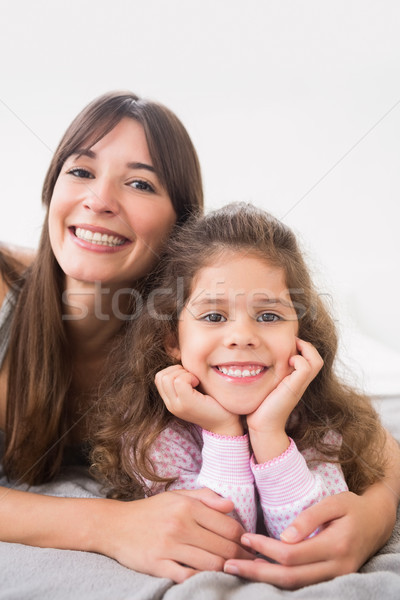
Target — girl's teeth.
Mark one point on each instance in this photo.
(102, 239)
(240, 373)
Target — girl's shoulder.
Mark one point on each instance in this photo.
(180, 434)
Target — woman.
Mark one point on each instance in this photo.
(124, 173)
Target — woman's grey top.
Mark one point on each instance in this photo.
(6, 315)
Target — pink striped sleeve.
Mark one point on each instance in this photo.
(287, 486)
(226, 470)
(283, 479)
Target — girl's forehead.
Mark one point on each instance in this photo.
(239, 268)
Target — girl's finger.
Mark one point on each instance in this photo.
(165, 381)
(309, 352)
(162, 376)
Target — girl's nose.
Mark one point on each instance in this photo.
(101, 198)
(241, 335)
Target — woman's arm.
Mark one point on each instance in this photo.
(156, 535)
(353, 529)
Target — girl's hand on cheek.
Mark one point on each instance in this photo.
(267, 423)
(176, 387)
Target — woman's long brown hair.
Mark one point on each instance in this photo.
(40, 357)
(132, 413)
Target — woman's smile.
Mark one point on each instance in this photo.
(98, 239)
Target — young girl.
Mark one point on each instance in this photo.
(245, 395)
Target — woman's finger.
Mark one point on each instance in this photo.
(173, 570)
(288, 578)
(316, 516)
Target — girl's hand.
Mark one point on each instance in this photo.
(350, 534)
(176, 387)
(267, 423)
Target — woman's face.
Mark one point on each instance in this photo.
(109, 214)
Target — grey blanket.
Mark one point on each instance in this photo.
(47, 574)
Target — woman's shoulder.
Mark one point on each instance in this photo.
(13, 260)
(19, 255)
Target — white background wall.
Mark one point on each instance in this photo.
(293, 105)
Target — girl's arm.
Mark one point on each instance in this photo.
(352, 527)
(287, 486)
(285, 483)
(156, 535)
(223, 465)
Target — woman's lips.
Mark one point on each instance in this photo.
(98, 239)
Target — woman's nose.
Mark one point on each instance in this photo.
(101, 197)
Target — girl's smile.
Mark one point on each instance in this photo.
(243, 373)
(238, 331)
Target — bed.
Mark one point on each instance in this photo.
(42, 574)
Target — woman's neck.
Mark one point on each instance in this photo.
(93, 314)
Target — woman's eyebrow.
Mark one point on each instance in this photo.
(139, 165)
(84, 152)
(131, 165)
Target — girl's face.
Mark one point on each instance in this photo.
(238, 330)
(109, 214)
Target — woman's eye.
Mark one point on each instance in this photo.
(141, 185)
(268, 317)
(214, 318)
(81, 173)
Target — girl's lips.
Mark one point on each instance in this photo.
(241, 373)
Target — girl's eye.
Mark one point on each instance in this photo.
(143, 186)
(81, 173)
(268, 317)
(214, 318)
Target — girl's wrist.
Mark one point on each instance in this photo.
(228, 430)
(268, 445)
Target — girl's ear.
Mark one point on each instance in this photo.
(172, 347)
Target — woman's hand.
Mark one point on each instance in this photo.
(176, 387)
(351, 533)
(267, 423)
(173, 534)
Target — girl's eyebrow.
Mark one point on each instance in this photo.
(215, 301)
(131, 165)
(218, 301)
(262, 299)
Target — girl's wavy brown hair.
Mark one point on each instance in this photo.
(133, 414)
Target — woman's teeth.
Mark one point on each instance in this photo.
(95, 237)
(236, 372)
